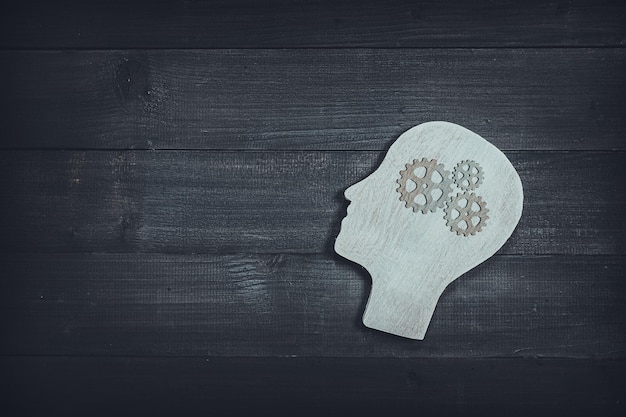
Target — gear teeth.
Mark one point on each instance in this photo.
(461, 175)
(467, 175)
(466, 214)
(424, 185)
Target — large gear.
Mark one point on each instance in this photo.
(424, 185)
(467, 175)
(459, 215)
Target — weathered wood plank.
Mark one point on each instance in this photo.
(519, 99)
(81, 386)
(302, 305)
(288, 23)
(269, 202)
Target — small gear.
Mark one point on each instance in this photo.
(467, 175)
(461, 214)
(434, 189)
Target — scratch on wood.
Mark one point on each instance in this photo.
(76, 165)
(249, 277)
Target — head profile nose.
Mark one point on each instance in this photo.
(348, 193)
(354, 190)
(351, 192)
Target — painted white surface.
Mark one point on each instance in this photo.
(412, 256)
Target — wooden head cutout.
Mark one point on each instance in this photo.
(442, 201)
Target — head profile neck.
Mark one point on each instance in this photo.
(401, 305)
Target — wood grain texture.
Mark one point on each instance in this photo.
(180, 281)
(315, 99)
(77, 386)
(301, 305)
(289, 23)
(269, 202)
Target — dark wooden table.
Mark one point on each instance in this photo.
(172, 179)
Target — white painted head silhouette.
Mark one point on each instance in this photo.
(442, 201)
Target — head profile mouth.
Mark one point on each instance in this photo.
(338, 245)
